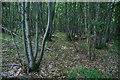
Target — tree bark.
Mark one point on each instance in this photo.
(36, 44)
(106, 35)
(52, 12)
(29, 49)
(96, 19)
(45, 36)
(23, 34)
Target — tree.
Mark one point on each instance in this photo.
(31, 58)
(95, 23)
(49, 35)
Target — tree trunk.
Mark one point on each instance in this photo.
(106, 36)
(45, 36)
(36, 43)
(95, 29)
(52, 12)
(23, 35)
(88, 30)
(29, 49)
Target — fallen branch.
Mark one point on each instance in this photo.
(17, 52)
(2, 51)
(9, 40)
(6, 65)
(49, 49)
(6, 39)
(9, 76)
(9, 31)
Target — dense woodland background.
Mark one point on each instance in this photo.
(60, 39)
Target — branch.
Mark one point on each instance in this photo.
(6, 39)
(36, 41)
(17, 52)
(9, 31)
(45, 35)
(11, 76)
(2, 51)
(6, 65)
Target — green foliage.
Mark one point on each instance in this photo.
(101, 46)
(103, 57)
(113, 51)
(61, 66)
(47, 45)
(61, 74)
(73, 74)
(87, 73)
(82, 24)
(106, 76)
(84, 45)
(5, 36)
(97, 23)
(92, 36)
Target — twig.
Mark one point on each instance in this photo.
(5, 65)
(5, 51)
(17, 52)
(9, 76)
(9, 31)
(6, 39)
(49, 49)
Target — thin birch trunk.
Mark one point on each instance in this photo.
(88, 33)
(31, 58)
(87, 27)
(36, 43)
(45, 35)
(106, 35)
(23, 34)
(95, 30)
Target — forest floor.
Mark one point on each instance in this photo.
(61, 59)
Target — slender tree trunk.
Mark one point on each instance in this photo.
(45, 36)
(23, 34)
(41, 17)
(106, 36)
(75, 20)
(49, 35)
(31, 58)
(68, 32)
(36, 44)
(10, 23)
(88, 30)
(96, 19)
